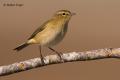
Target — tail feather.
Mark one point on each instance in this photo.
(20, 47)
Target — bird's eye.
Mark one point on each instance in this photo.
(63, 14)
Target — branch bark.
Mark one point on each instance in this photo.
(54, 59)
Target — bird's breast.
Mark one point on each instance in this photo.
(50, 36)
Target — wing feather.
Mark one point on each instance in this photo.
(39, 29)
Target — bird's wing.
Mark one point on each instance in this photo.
(39, 29)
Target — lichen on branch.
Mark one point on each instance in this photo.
(54, 59)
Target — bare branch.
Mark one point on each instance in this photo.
(54, 59)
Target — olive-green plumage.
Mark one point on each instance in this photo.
(51, 32)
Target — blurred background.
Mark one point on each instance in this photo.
(96, 25)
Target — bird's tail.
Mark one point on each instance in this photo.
(20, 47)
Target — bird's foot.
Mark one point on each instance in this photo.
(60, 56)
(42, 61)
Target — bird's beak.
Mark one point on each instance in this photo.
(73, 14)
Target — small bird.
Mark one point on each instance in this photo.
(50, 33)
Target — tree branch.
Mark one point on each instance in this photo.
(54, 59)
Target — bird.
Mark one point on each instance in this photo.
(50, 33)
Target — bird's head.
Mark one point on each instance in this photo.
(64, 14)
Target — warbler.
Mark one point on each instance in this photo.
(50, 33)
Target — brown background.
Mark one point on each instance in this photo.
(96, 25)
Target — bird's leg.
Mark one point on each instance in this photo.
(41, 57)
(58, 53)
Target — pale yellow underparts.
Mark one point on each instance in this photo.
(51, 35)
